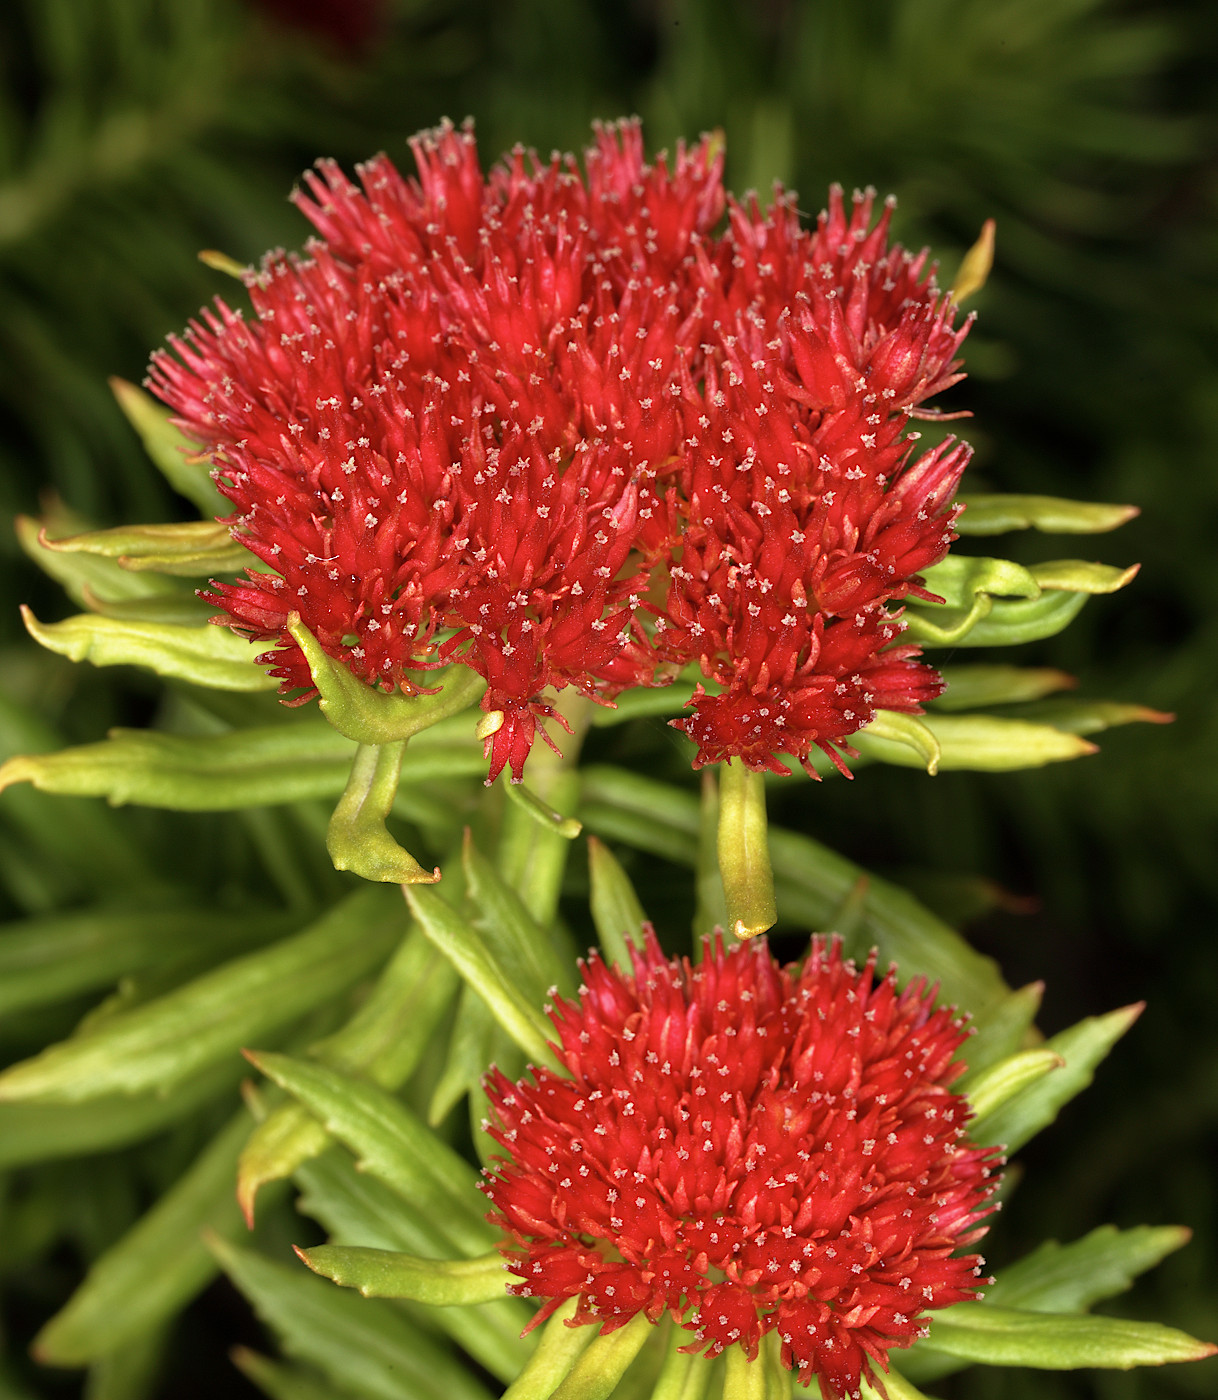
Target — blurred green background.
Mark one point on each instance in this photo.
(135, 132)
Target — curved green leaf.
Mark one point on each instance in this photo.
(891, 729)
(994, 1086)
(383, 1273)
(357, 838)
(599, 1368)
(980, 743)
(998, 514)
(1079, 576)
(616, 911)
(207, 655)
(177, 457)
(196, 548)
(974, 687)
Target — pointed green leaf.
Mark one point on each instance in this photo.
(1080, 576)
(461, 943)
(372, 716)
(974, 687)
(1056, 1342)
(968, 586)
(145, 1278)
(198, 548)
(383, 1273)
(685, 1376)
(532, 855)
(209, 656)
(391, 1144)
(1082, 1047)
(290, 762)
(164, 1041)
(367, 1346)
(357, 838)
(895, 1386)
(1071, 1277)
(644, 703)
(510, 931)
(287, 1137)
(599, 1368)
(890, 729)
(743, 1379)
(980, 743)
(999, 1030)
(178, 458)
(470, 1051)
(87, 578)
(616, 911)
(998, 1084)
(1089, 716)
(998, 514)
(527, 801)
(1012, 622)
(557, 1353)
(132, 1372)
(179, 609)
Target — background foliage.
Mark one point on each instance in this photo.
(135, 132)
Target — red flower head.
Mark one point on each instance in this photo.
(749, 1148)
(487, 414)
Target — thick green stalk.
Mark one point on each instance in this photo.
(744, 851)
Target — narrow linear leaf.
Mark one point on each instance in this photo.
(178, 459)
(896, 1387)
(460, 942)
(197, 548)
(889, 729)
(998, 1084)
(391, 1143)
(597, 1371)
(979, 743)
(998, 514)
(527, 801)
(1057, 1342)
(1004, 622)
(1081, 1047)
(284, 1382)
(1089, 716)
(366, 1346)
(558, 1351)
(999, 1031)
(509, 930)
(616, 911)
(644, 704)
(86, 575)
(383, 1273)
(974, 687)
(743, 847)
(1079, 576)
(147, 1049)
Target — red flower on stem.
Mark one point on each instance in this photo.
(488, 415)
(749, 1148)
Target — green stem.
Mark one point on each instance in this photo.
(744, 851)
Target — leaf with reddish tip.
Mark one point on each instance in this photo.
(384, 1273)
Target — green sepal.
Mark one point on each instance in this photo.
(603, 1364)
(1071, 1277)
(163, 1042)
(365, 1346)
(998, 1084)
(195, 773)
(1056, 1341)
(178, 458)
(527, 801)
(977, 743)
(371, 716)
(357, 838)
(149, 1274)
(391, 1143)
(193, 549)
(975, 687)
(91, 581)
(616, 911)
(743, 848)
(383, 1273)
(484, 971)
(1081, 1047)
(998, 514)
(208, 656)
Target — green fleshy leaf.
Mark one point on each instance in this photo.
(889, 729)
(998, 514)
(356, 1209)
(177, 457)
(550, 820)
(895, 1385)
(1089, 716)
(532, 855)
(616, 911)
(557, 1353)
(470, 1051)
(132, 1372)
(644, 703)
(998, 1084)
(208, 656)
(366, 1346)
(744, 1379)
(685, 1375)
(978, 743)
(391, 1143)
(975, 687)
(1057, 1342)
(1082, 1047)
(811, 882)
(88, 579)
(49, 959)
(285, 1139)
(178, 609)
(198, 548)
(371, 716)
(165, 1041)
(604, 1362)
(1071, 1277)
(1079, 576)
(484, 971)
(283, 1382)
(357, 838)
(968, 586)
(1013, 622)
(195, 773)
(41, 1132)
(999, 1031)
(383, 1273)
(510, 931)
(743, 849)
(145, 1278)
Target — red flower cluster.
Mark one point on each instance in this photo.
(749, 1148)
(557, 428)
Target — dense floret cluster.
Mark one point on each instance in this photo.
(577, 429)
(749, 1148)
